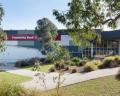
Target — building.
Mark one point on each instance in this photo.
(27, 38)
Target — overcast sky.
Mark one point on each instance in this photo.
(23, 14)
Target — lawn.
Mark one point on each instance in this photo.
(106, 86)
(43, 68)
(5, 76)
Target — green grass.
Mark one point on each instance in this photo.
(5, 76)
(43, 68)
(106, 86)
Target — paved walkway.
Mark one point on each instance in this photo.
(68, 78)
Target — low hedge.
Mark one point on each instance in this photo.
(26, 62)
(110, 62)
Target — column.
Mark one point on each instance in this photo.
(91, 50)
(119, 48)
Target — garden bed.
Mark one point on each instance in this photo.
(71, 66)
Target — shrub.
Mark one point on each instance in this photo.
(62, 66)
(117, 59)
(52, 69)
(26, 62)
(90, 67)
(32, 61)
(66, 68)
(85, 58)
(110, 62)
(76, 60)
(97, 62)
(10, 89)
(21, 63)
(57, 65)
(48, 61)
(36, 66)
(73, 70)
(82, 63)
(42, 60)
(70, 63)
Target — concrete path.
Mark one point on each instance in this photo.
(69, 79)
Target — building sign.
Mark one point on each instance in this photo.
(58, 38)
(27, 37)
(22, 37)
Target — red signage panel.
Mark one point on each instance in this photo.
(27, 37)
(22, 37)
(58, 38)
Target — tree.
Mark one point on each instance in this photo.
(59, 53)
(2, 34)
(83, 16)
(47, 33)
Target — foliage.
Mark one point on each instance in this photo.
(58, 54)
(76, 60)
(36, 66)
(73, 70)
(85, 58)
(21, 63)
(97, 62)
(47, 33)
(26, 62)
(82, 62)
(110, 62)
(66, 68)
(10, 89)
(59, 65)
(92, 65)
(83, 16)
(32, 61)
(69, 62)
(2, 34)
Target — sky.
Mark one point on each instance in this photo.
(23, 14)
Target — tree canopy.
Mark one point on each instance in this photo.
(2, 34)
(47, 32)
(83, 16)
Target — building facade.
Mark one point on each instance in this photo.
(27, 38)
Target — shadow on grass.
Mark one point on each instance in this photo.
(118, 75)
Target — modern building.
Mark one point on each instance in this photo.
(27, 38)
